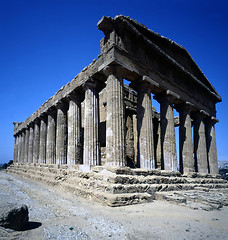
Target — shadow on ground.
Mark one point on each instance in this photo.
(31, 225)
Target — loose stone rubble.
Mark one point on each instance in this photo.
(102, 139)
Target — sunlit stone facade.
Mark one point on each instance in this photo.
(96, 120)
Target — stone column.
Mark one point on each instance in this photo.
(30, 147)
(15, 153)
(19, 148)
(61, 134)
(51, 136)
(135, 132)
(26, 148)
(36, 144)
(74, 131)
(43, 139)
(146, 158)
(23, 146)
(157, 141)
(200, 150)
(211, 145)
(115, 128)
(185, 140)
(91, 155)
(168, 142)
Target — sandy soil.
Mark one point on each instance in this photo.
(55, 214)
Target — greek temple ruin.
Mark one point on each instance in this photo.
(101, 138)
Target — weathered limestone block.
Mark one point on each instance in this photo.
(43, 140)
(91, 155)
(13, 216)
(61, 134)
(31, 139)
(146, 158)
(36, 142)
(211, 146)
(74, 131)
(51, 133)
(185, 140)
(200, 150)
(115, 137)
(168, 142)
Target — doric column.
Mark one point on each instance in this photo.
(157, 141)
(15, 153)
(26, 148)
(211, 145)
(115, 121)
(36, 144)
(19, 148)
(30, 148)
(168, 142)
(74, 131)
(91, 122)
(200, 149)
(185, 139)
(51, 136)
(23, 146)
(146, 157)
(43, 139)
(61, 134)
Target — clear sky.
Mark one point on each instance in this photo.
(45, 43)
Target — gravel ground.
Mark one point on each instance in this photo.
(55, 214)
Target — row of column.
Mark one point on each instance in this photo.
(58, 139)
(198, 157)
(55, 138)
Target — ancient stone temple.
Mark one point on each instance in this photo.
(99, 137)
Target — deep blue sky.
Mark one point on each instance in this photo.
(44, 44)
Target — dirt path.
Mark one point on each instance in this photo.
(55, 214)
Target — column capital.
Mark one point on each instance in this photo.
(37, 120)
(75, 96)
(90, 83)
(31, 124)
(61, 105)
(185, 107)
(211, 119)
(168, 96)
(115, 70)
(202, 115)
(52, 111)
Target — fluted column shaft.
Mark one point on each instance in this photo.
(15, 153)
(61, 134)
(146, 158)
(185, 141)
(36, 145)
(200, 150)
(31, 140)
(74, 132)
(19, 148)
(211, 146)
(168, 142)
(22, 146)
(26, 148)
(91, 122)
(43, 140)
(115, 121)
(51, 136)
